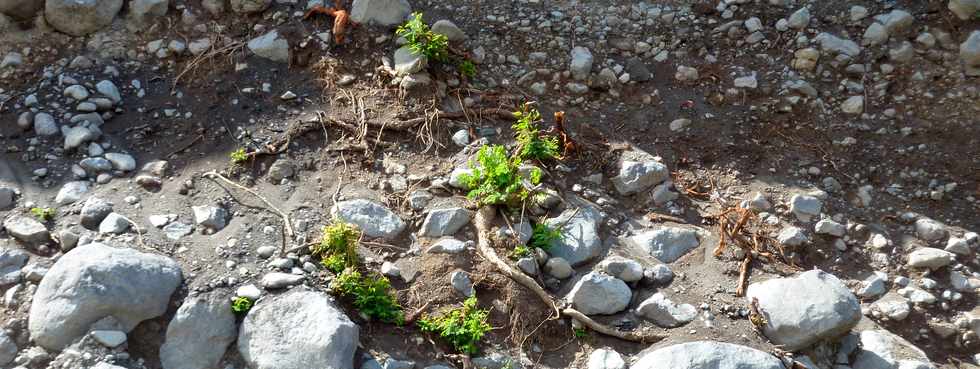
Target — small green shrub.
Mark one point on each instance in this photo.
(371, 295)
(520, 251)
(581, 333)
(338, 249)
(43, 214)
(495, 180)
(543, 235)
(467, 69)
(238, 156)
(241, 305)
(462, 327)
(533, 145)
(422, 40)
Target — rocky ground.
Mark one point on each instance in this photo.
(824, 153)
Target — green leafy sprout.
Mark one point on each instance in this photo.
(462, 327)
(241, 305)
(532, 144)
(496, 179)
(519, 251)
(371, 295)
(44, 214)
(338, 249)
(467, 69)
(581, 333)
(238, 156)
(422, 41)
(543, 235)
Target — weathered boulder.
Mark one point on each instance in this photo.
(804, 309)
(298, 330)
(580, 230)
(374, 219)
(666, 313)
(597, 293)
(199, 333)
(270, 46)
(95, 281)
(26, 230)
(638, 171)
(80, 17)
(706, 355)
(444, 222)
(667, 244)
(382, 12)
(881, 349)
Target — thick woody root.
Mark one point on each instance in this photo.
(483, 221)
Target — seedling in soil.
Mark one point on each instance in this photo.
(543, 236)
(462, 327)
(467, 69)
(238, 156)
(43, 214)
(338, 249)
(371, 295)
(241, 305)
(581, 333)
(531, 143)
(422, 40)
(495, 179)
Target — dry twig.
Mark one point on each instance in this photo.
(285, 217)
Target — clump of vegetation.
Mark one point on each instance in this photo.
(462, 327)
(531, 143)
(371, 295)
(241, 305)
(467, 69)
(520, 251)
(543, 235)
(495, 178)
(238, 156)
(422, 40)
(43, 214)
(338, 249)
(581, 333)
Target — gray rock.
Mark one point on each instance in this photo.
(605, 359)
(295, 329)
(405, 364)
(209, 216)
(622, 268)
(109, 338)
(830, 227)
(881, 349)
(873, 286)
(177, 230)
(638, 171)
(800, 19)
(26, 230)
(804, 309)
(875, 34)
(114, 224)
(382, 12)
(274, 281)
(791, 236)
(270, 46)
(449, 29)
(528, 265)
(44, 125)
(11, 262)
(893, 306)
(686, 74)
(199, 333)
(666, 313)
(142, 10)
(460, 281)
(408, 62)
(558, 268)
(249, 6)
(706, 355)
(280, 170)
(581, 63)
(927, 257)
(667, 244)
(21, 9)
(7, 200)
(78, 136)
(95, 281)
(8, 349)
(897, 22)
(249, 291)
(930, 230)
(444, 222)
(77, 92)
(71, 192)
(80, 17)
(837, 45)
(964, 9)
(580, 242)
(597, 293)
(805, 207)
(447, 245)
(853, 105)
(123, 162)
(374, 219)
(659, 274)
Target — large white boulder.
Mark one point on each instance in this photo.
(199, 333)
(804, 309)
(270, 46)
(667, 244)
(598, 293)
(300, 329)
(374, 219)
(580, 240)
(80, 17)
(706, 355)
(96, 281)
(881, 349)
(383, 12)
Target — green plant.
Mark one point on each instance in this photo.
(421, 39)
(532, 144)
(520, 251)
(44, 214)
(462, 327)
(581, 333)
(467, 69)
(496, 179)
(338, 249)
(371, 295)
(241, 305)
(238, 156)
(543, 235)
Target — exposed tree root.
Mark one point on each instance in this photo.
(483, 220)
(285, 217)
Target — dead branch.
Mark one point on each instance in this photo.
(483, 220)
(285, 217)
